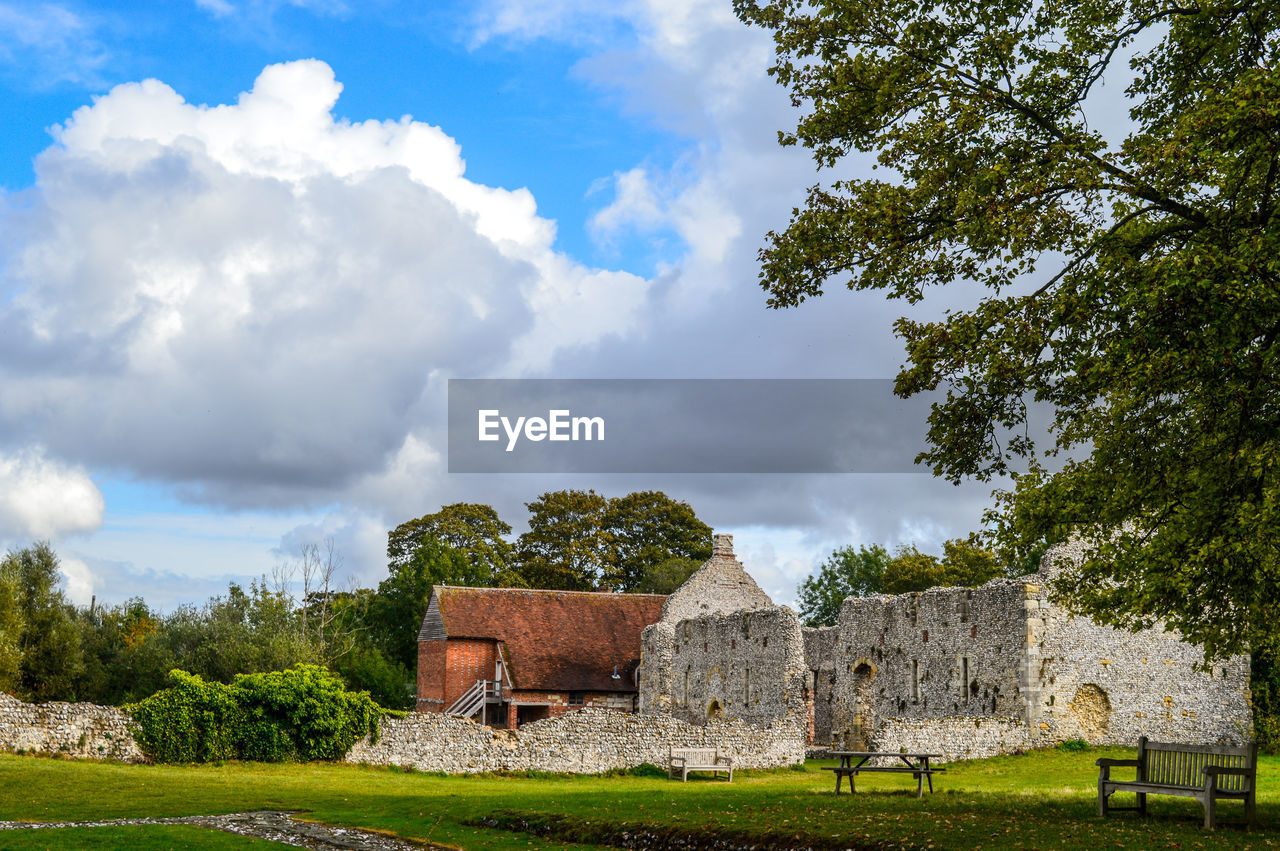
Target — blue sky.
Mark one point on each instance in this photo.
(241, 258)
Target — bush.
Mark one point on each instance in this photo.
(1073, 745)
(303, 713)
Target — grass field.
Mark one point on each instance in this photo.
(1041, 800)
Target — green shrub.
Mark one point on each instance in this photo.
(303, 713)
(1073, 745)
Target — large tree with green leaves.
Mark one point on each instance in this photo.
(566, 546)
(473, 529)
(1126, 267)
(646, 529)
(51, 658)
(847, 572)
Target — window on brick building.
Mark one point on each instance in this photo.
(577, 698)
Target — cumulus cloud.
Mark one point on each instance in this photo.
(258, 301)
(41, 498)
(79, 580)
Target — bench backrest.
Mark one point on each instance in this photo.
(696, 756)
(1183, 765)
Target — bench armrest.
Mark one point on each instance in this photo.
(1116, 763)
(724, 760)
(1222, 769)
(677, 762)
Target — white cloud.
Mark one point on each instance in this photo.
(79, 579)
(250, 300)
(41, 498)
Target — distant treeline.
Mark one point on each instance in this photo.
(51, 649)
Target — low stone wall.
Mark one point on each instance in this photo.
(588, 741)
(80, 730)
(954, 738)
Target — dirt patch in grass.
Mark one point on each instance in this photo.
(650, 837)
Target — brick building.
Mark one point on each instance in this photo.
(506, 656)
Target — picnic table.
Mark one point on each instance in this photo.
(915, 764)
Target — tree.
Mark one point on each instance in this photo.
(1130, 285)
(911, 570)
(473, 529)
(665, 576)
(566, 546)
(846, 572)
(396, 610)
(646, 529)
(11, 626)
(870, 570)
(51, 656)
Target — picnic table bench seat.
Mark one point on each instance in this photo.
(685, 760)
(1203, 772)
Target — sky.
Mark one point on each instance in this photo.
(244, 245)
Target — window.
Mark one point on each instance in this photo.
(964, 678)
(746, 691)
(915, 680)
(577, 698)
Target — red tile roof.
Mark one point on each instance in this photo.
(554, 640)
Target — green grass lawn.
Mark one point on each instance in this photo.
(1041, 800)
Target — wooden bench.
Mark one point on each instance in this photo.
(1203, 772)
(685, 760)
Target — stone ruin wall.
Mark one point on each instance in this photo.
(79, 730)
(589, 740)
(820, 659)
(900, 666)
(746, 666)
(720, 586)
(1037, 676)
(1110, 686)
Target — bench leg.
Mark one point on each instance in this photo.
(1210, 805)
(1251, 810)
(1142, 804)
(920, 785)
(929, 777)
(1102, 800)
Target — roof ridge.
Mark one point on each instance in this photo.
(548, 591)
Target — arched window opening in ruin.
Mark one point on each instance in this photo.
(915, 680)
(1091, 708)
(715, 710)
(746, 690)
(964, 678)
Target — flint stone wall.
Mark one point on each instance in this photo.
(1035, 675)
(720, 586)
(1110, 686)
(588, 741)
(80, 730)
(746, 665)
(820, 658)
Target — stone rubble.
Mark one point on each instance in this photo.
(274, 826)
